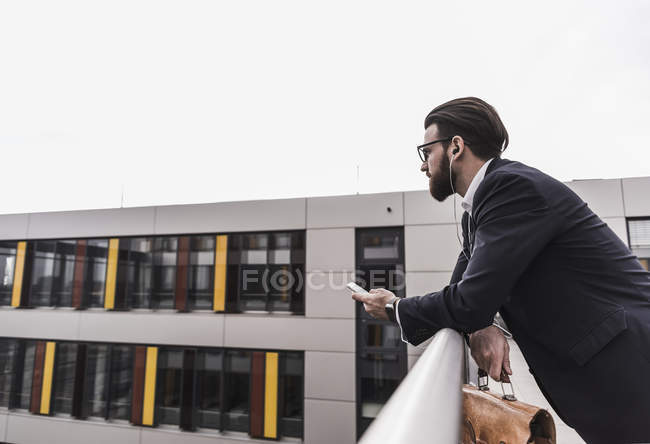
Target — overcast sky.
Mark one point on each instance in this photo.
(184, 102)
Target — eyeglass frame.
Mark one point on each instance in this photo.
(424, 155)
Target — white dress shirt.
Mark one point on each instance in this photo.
(466, 203)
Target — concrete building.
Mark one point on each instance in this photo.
(229, 322)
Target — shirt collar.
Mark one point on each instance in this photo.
(468, 200)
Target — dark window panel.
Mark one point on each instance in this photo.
(7, 269)
(95, 274)
(122, 379)
(257, 395)
(252, 287)
(42, 278)
(381, 373)
(298, 247)
(22, 392)
(291, 394)
(208, 388)
(63, 383)
(254, 249)
(236, 390)
(188, 391)
(96, 380)
(78, 389)
(182, 273)
(381, 355)
(8, 354)
(140, 272)
(168, 386)
(279, 248)
(382, 335)
(201, 274)
(64, 265)
(380, 245)
(164, 271)
(283, 283)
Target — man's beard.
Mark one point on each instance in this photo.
(439, 183)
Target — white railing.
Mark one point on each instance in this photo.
(427, 405)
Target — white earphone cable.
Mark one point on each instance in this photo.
(451, 182)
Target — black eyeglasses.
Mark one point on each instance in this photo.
(424, 154)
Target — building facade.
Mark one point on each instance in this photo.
(226, 322)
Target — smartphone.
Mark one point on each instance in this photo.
(354, 288)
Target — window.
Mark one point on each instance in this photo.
(97, 367)
(63, 273)
(42, 273)
(53, 273)
(25, 372)
(265, 272)
(7, 268)
(64, 378)
(201, 276)
(164, 271)
(121, 380)
(381, 355)
(380, 375)
(168, 383)
(194, 387)
(639, 233)
(292, 381)
(7, 363)
(209, 372)
(236, 390)
(95, 272)
(135, 269)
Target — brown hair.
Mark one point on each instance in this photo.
(476, 121)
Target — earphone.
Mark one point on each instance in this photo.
(451, 182)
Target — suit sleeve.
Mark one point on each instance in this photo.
(513, 225)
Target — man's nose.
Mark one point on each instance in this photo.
(424, 167)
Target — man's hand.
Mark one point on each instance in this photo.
(375, 302)
(491, 352)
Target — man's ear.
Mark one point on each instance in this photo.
(457, 147)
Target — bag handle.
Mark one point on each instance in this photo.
(483, 384)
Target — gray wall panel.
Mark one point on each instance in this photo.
(41, 323)
(289, 333)
(254, 215)
(419, 283)
(326, 295)
(618, 226)
(13, 226)
(431, 247)
(420, 208)
(636, 194)
(603, 196)
(330, 249)
(201, 329)
(361, 210)
(33, 429)
(171, 435)
(100, 223)
(329, 422)
(330, 376)
(4, 418)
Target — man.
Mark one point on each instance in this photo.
(575, 299)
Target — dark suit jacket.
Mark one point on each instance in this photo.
(563, 281)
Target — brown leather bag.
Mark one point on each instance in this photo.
(494, 419)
